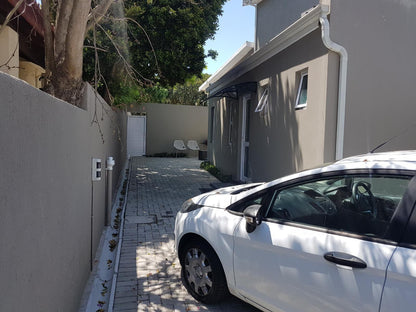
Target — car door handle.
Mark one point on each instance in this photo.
(345, 259)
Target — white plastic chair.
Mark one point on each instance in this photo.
(193, 145)
(179, 145)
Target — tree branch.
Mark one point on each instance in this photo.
(75, 38)
(10, 58)
(128, 19)
(98, 13)
(95, 48)
(129, 69)
(148, 39)
(48, 37)
(63, 17)
(9, 16)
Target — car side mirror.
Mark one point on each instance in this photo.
(253, 217)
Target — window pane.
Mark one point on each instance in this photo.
(356, 204)
(304, 90)
(264, 101)
(302, 94)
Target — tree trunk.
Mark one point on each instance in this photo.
(66, 87)
(64, 46)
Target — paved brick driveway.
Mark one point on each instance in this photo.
(149, 271)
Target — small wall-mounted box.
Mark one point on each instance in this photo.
(96, 169)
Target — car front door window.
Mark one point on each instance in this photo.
(357, 204)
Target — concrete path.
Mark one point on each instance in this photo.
(149, 271)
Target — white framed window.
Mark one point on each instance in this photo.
(264, 93)
(302, 94)
(264, 100)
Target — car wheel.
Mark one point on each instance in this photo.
(202, 273)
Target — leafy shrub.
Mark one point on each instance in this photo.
(206, 165)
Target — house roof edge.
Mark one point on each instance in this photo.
(246, 49)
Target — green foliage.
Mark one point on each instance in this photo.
(177, 30)
(212, 54)
(184, 94)
(157, 94)
(206, 165)
(128, 95)
(187, 93)
(132, 94)
(163, 42)
(106, 54)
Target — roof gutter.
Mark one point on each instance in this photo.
(342, 80)
(245, 50)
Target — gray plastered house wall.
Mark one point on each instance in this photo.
(380, 40)
(272, 17)
(378, 98)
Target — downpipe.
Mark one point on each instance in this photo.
(109, 169)
(342, 81)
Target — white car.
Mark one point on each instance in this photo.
(338, 238)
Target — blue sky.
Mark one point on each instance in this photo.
(236, 26)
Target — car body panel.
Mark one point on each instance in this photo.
(400, 290)
(223, 197)
(192, 223)
(292, 275)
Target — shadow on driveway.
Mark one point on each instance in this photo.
(149, 271)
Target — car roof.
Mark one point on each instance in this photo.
(388, 160)
(398, 160)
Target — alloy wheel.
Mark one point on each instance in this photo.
(198, 271)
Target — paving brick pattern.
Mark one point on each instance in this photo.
(149, 271)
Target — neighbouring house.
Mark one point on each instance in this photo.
(21, 41)
(324, 80)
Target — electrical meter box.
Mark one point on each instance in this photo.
(96, 169)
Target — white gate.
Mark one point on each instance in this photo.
(136, 136)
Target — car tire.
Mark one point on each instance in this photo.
(202, 273)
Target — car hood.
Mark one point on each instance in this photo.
(223, 197)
